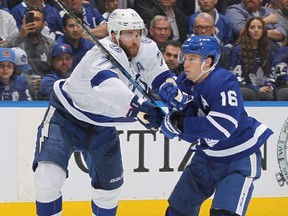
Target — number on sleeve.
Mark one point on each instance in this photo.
(230, 97)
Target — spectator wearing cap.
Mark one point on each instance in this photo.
(73, 37)
(25, 70)
(12, 86)
(61, 61)
(21, 61)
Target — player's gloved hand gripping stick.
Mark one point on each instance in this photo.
(171, 95)
(147, 114)
(112, 59)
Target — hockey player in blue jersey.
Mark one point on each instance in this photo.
(227, 160)
(85, 109)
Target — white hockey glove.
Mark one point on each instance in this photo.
(172, 124)
(171, 95)
(147, 113)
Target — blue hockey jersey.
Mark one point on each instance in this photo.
(217, 117)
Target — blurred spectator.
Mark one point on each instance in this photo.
(11, 4)
(36, 45)
(91, 17)
(176, 18)
(61, 61)
(8, 25)
(160, 30)
(280, 66)
(99, 4)
(186, 6)
(223, 27)
(282, 14)
(73, 37)
(110, 5)
(222, 5)
(274, 4)
(4, 5)
(204, 25)
(238, 14)
(171, 51)
(38, 48)
(12, 87)
(251, 59)
(53, 25)
(25, 70)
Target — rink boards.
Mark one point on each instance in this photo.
(152, 165)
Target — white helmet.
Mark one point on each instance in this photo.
(124, 19)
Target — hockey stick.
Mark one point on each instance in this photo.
(106, 52)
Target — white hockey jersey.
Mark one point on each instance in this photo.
(98, 93)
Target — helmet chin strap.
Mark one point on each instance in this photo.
(203, 71)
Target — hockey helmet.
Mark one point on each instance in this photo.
(124, 19)
(204, 46)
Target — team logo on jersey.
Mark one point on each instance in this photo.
(211, 142)
(146, 40)
(282, 155)
(115, 48)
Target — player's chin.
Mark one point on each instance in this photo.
(133, 53)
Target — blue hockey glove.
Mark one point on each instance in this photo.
(171, 95)
(147, 113)
(172, 124)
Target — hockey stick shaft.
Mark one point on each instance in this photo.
(106, 52)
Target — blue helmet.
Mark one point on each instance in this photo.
(202, 45)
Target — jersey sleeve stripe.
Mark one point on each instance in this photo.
(241, 147)
(222, 115)
(218, 126)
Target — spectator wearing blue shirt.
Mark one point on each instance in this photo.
(61, 61)
(53, 25)
(91, 17)
(12, 87)
(238, 14)
(223, 27)
(73, 37)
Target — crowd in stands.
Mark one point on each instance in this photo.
(40, 43)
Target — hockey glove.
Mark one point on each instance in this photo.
(171, 95)
(172, 124)
(147, 113)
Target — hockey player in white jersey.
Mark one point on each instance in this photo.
(84, 110)
(228, 160)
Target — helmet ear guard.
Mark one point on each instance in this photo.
(124, 19)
